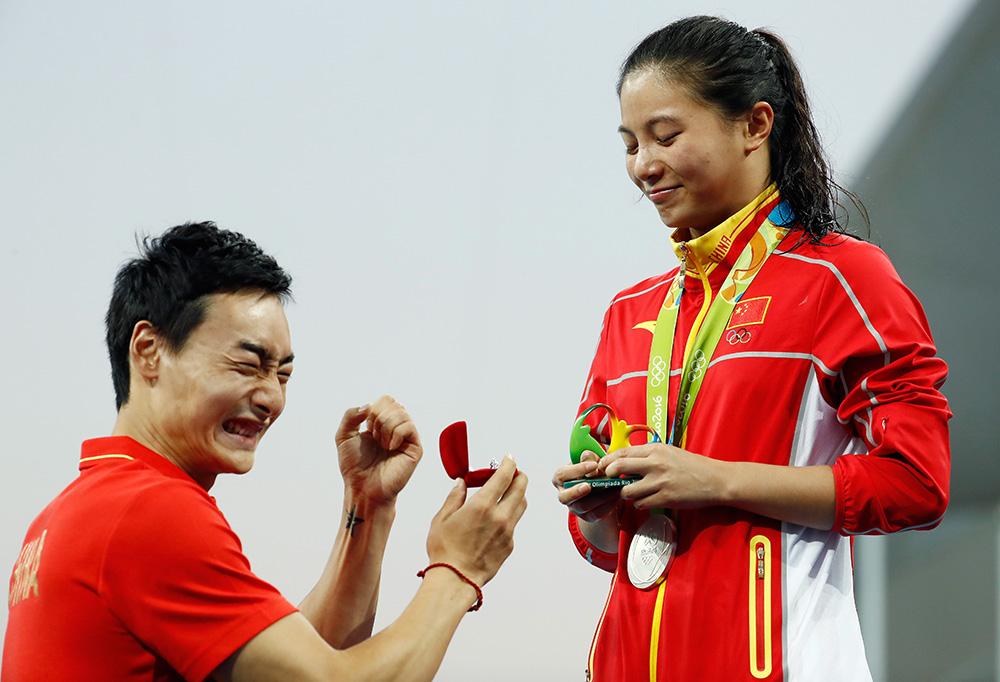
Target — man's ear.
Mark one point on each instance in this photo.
(759, 123)
(144, 350)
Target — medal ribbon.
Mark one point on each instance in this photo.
(708, 326)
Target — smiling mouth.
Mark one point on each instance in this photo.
(659, 195)
(247, 430)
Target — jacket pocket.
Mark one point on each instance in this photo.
(760, 607)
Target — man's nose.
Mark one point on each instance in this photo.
(268, 398)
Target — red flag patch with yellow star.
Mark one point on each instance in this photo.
(749, 311)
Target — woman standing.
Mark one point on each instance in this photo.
(789, 371)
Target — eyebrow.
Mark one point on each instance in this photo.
(263, 353)
(664, 118)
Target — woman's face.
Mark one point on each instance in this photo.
(685, 157)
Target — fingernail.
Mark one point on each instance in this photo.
(511, 458)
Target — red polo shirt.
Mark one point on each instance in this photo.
(131, 573)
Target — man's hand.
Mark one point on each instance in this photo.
(376, 464)
(671, 477)
(474, 536)
(590, 505)
(477, 536)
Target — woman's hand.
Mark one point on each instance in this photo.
(590, 505)
(670, 477)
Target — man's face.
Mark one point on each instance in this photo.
(213, 400)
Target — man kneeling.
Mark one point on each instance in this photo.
(132, 572)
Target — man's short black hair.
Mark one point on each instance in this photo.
(168, 282)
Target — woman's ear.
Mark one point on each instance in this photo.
(759, 122)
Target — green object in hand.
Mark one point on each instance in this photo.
(581, 440)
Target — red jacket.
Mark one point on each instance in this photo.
(829, 362)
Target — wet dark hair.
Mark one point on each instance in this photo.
(730, 69)
(168, 282)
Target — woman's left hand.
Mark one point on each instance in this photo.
(671, 477)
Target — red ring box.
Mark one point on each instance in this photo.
(454, 445)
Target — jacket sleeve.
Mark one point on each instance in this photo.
(594, 391)
(872, 333)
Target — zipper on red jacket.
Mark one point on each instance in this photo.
(760, 647)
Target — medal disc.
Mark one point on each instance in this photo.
(651, 551)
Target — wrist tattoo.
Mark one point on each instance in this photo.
(353, 520)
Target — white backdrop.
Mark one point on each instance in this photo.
(445, 184)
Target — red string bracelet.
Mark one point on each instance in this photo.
(479, 591)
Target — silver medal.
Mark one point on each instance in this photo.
(651, 551)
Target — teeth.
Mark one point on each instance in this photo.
(240, 430)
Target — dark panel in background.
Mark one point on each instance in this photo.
(933, 192)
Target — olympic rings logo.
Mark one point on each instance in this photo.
(658, 371)
(697, 366)
(735, 336)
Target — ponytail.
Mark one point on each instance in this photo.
(799, 165)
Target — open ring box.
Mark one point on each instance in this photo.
(454, 445)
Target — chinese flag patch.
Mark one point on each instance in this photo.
(749, 311)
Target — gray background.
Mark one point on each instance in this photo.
(445, 183)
